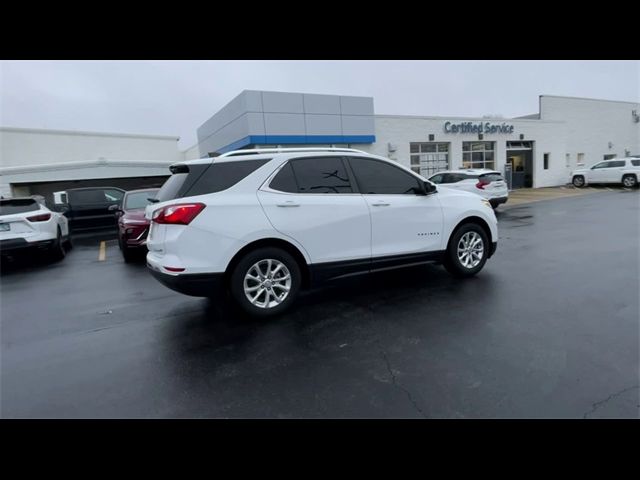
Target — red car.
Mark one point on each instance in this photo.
(133, 228)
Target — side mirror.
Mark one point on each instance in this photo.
(429, 188)
(114, 208)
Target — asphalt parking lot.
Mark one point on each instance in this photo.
(549, 329)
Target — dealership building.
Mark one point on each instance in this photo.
(536, 150)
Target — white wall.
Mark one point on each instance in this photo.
(22, 147)
(592, 124)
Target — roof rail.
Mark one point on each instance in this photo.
(278, 150)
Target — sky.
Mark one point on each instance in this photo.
(176, 97)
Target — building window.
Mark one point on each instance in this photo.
(580, 160)
(610, 156)
(546, 161)
(429, 158)
(568, 160)
(478, 155)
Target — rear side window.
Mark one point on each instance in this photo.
(635, 163)
(285, 181)
(221, 176)
(377, 177)
(321, 175)
(616, 163)
(491, 177)
(11, 207)
(87, 196)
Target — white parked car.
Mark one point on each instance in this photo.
(489, 184)
(618, 170)
(26, 223)
(266, 223)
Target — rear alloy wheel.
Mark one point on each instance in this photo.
(467, 251)
(578, 181)
(266, 282)
(629, 181)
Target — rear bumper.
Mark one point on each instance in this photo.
(194, 284)
(15, 245)
(498, 200)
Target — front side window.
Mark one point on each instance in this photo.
(113, 195)
(378, 177)
(436, 178)
(600, 165)
(321, 175)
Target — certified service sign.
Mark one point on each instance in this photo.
(470, 127)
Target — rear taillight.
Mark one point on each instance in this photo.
(481, 184)
(40, 218)
(180, 214)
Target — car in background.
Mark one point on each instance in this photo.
(133, 227)
(26, 224)
(266, 223)
(89, 208)
(618, 170)
(489, 184)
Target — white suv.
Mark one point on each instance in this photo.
(266, 223)
(618, 170)
(488, 184)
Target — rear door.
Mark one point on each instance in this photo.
(313, 201)
(613, 173)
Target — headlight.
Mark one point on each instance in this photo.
(487, 203)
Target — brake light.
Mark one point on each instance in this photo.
(40, 218)
(180, 214)
(481, 184)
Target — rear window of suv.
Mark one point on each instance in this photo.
(11, 207)
(491, 177)
(200, 179)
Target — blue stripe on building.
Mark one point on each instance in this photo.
(296, 140)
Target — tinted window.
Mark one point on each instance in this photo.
(617, 163)
(601, 165)
(221, 176)
(11, 207)
(454, 177)
(491, 177)
(113, 195)
(171, 187)
(285, 181)
(138, 199)
(321, 175)
(635, 163)
(436, 178)
(88, 196)
(377, 177)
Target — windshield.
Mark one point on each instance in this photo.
(139, 199)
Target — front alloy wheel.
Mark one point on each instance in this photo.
(470, 250)
(467, 251)
(578, 181)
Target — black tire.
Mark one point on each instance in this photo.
(452, 262)
(243, 267)
(578, 181)
(629, 181)
(68, 243)
(57, 251)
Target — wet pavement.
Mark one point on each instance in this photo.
(549, 329)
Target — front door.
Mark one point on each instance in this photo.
(598, 173)
(404, 221)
